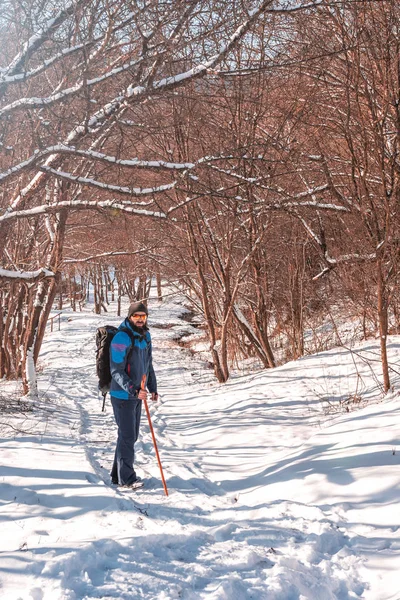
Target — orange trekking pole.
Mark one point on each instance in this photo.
(143, 387)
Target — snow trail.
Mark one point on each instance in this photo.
(263, 503)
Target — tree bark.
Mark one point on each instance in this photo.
(383, 324)
(159, 288)
(41, 306)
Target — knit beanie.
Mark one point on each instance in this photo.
(136, 307)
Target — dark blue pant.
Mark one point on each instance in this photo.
(127, 416)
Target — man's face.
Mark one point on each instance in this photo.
(139, 319)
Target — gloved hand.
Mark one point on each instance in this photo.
(105, 389)
(154, 396)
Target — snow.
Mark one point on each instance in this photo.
(18, 77)
(83, 204)
(110, 187)
(38, 102)
(271, 494)
(7, 274)
(30, 373)
(38, 38)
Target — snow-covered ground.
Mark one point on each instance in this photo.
(271, 494)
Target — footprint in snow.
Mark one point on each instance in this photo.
(92, 478)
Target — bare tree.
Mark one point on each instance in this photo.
(72, 81)
(355, 118)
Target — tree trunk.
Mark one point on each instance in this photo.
(35, 308)
(267, 360)
(159, 289)
(224, 351)
(211, 328)
(40, 309)
(383, 325)
(45, 315)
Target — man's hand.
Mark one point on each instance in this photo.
(154, 396)
(142, 395)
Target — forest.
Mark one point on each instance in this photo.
(245, 153)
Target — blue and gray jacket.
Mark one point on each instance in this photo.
(129, 361)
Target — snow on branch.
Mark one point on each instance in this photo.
(309, 192)
(25, 75)
(264, 7)
(38, 39)
(25, 275)
(104, 255)
(356, 257)
(284, 205)
(346, 258)
(80, 205)
(316, 204)
(285, 8)
(322, 273)
(203, 68)
(133, 163)
(185, 202)
(235, 175)
(140, 93)
(120, 189)
(63, 94)
(257, 181)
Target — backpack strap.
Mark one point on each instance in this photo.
(129, 332)
(132, 338)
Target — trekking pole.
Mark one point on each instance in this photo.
(103, 408)
(143, 387)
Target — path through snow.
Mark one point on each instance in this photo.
(265, 502)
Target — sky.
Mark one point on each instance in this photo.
(275, 492)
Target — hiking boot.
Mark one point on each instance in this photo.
(134, 485)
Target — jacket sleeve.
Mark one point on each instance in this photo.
(151, 379)
(119, 350)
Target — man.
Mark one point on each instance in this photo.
(130, 359)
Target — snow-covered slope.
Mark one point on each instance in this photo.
(271, 497)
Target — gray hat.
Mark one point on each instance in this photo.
(136, 307)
